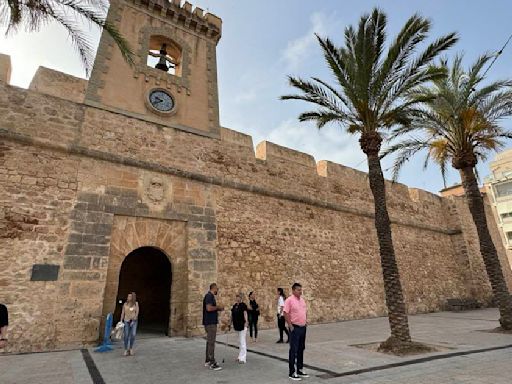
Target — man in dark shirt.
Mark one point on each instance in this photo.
(4, 322)
(210, 321)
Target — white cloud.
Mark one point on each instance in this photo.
(50, 47)
(329, 143)
(298, 50)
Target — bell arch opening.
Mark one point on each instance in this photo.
(147, 272)
(165, 54)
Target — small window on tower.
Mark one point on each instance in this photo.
(165, 55)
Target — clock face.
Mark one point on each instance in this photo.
(161, 100)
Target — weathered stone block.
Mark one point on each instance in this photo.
(209, 226)
(98, 229)
(74, 275)
(197, 210)
(94, 239)
(203, 266)
(201, 253)
(77, 262)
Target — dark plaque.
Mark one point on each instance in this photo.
(45, 272)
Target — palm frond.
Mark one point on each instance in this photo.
(338, 67)
(375, 91)
(404, 151)
(315, 94)
(69, 14)
(322, 118)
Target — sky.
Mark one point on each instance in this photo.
(265, 41)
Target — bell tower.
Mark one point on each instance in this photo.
(174, 79)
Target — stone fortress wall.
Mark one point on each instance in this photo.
(81, 187)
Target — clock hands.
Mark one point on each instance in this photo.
(161, 101)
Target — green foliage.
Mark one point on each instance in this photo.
(33, 14)
(372, 87)
(458, 121)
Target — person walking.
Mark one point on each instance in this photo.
(210, 321)
(280, 316)
(254, 314)
(4, 323)
(240, 321)
(296, 318)
(129, 317)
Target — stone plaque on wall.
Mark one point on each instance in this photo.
(45, 272)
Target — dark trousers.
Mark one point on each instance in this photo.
(297, 346)
(211, 335)
(253, 325)
(282, 327)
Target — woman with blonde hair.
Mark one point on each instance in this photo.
(239, 321)
(129, 317)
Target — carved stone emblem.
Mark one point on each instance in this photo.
(155, 190)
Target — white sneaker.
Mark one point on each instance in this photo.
(294, 377)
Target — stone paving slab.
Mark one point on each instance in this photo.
(180, 360)
(66, 367)
(330, 346)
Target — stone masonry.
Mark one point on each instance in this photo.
(82, 186)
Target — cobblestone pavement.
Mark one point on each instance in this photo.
(331, 356)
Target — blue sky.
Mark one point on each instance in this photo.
(264, 41)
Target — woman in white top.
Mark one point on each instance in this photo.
(280, 316)
(129, 317)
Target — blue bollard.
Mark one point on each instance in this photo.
(106, 346)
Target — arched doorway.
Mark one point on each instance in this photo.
(147, 271)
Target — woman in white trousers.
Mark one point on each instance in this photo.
(240, 322)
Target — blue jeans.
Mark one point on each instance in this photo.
(129, 331)
(297, 346)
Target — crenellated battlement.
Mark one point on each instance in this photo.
(5, 68)
(186, 14)
(240, 147)
(273, 152)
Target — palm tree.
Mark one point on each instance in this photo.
(70, 14)
(459, 123)
(368, 98)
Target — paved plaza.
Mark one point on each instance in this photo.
(469, 354)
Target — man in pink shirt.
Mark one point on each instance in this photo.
(296, 318)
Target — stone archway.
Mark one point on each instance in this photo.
(147, 271)
(169, 237)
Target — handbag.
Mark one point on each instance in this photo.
(118, 331)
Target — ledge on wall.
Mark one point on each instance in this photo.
(422, 195)
(236, 137)
(269, 151)
(59, 84)
(333, 170)
(5, 68)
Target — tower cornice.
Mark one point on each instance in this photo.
(195, 19)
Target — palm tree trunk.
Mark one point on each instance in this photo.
(397, 315)
(487, 248)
